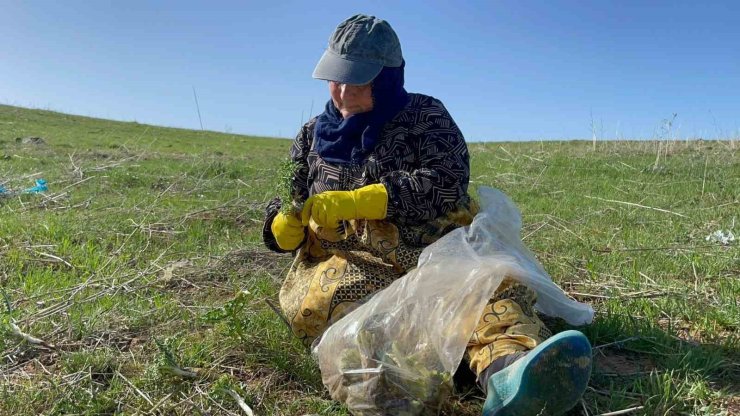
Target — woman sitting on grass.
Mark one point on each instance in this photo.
(379, 175)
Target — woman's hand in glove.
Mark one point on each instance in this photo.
(288, 231)
(328, 208)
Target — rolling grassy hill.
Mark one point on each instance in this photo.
(138, 283)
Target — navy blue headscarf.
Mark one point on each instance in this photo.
(340, 140)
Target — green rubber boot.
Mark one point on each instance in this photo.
(549, 380)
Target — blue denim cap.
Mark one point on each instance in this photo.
(358, 50)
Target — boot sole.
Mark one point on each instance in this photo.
(549, 380)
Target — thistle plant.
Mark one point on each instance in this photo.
(286, 175)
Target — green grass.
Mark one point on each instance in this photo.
(145, 256)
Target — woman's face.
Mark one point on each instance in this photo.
(351, 99)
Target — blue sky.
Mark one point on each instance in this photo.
(506, 70)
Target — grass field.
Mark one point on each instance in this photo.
(142, 276)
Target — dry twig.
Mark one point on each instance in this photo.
(15, 330)
(632, 204)
(621, 341)
(623, 412)
(242, 404)
(141, 393)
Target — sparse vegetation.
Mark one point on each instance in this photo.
(142, 272)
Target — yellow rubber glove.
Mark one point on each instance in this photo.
(288, 231)
(328, 208)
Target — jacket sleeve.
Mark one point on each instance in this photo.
(441, 179)
(299, 155)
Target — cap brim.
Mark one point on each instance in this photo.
(333, 67)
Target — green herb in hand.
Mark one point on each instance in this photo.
(286, 175)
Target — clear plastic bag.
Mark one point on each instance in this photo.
(396, 354)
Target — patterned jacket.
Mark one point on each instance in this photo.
(421, 158)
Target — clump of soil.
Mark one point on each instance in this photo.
(622, 364)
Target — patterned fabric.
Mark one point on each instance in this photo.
(421, 158)
(508, 324)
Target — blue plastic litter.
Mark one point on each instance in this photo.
(40, 187)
